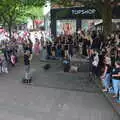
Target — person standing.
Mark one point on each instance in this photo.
(118, 53)
(27, 60)
(1, 61)
(113, 54)
(37, 47)
(116, 79)
(4, 65)
(95, 63)
(107, 74)
(27, 47)
(43, 55)
(84, 47)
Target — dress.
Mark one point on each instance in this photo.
(37, 48)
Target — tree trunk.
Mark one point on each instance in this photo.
(33, 24)
(33, 19)
(107, 18)
(10, 30)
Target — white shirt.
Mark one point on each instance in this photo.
(96, 60)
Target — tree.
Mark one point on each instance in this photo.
(34, 2)
(34, 13)
(9, 11)
(17, 11)
(12, 8)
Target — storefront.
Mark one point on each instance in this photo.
(69, 20)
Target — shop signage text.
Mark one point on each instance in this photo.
(84, 12)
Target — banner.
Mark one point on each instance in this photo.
(66, 27)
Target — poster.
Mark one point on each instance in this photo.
(66, 27)
(89, 24)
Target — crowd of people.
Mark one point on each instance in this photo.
(66, 46)
(8, 55)
(11, 49)
(103, 54)
(105, 63)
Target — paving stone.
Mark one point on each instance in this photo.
(23, 102)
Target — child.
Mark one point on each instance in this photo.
(66, 63)
(4, 65)
(0, 64)
(27, 59)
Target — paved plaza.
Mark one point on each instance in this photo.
(54, 95)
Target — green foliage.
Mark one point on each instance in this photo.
(34, 12)
(64, 3)
(30, 12)
(9, 11)
(39, 3)
(15, 11)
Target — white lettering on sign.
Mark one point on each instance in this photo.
(84, 12)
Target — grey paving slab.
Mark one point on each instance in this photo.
(108, 96)
(56, 78)
(23, 102)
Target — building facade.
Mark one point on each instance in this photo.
(69, 20)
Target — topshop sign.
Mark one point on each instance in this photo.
(84, 12)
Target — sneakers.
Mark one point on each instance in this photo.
(111, 91)
(105, 90)
(4, 70)
(27, 81)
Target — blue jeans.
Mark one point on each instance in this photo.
(58, 52)
(116, 87)
(119, 90)
(44, 54)
(106, 81)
